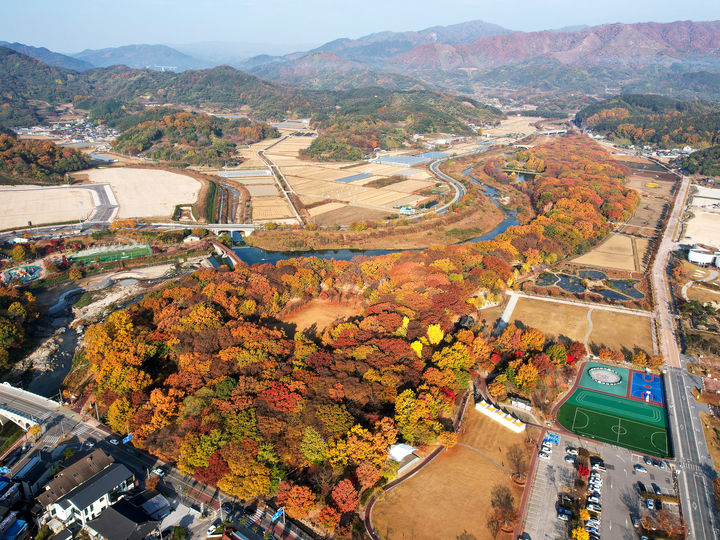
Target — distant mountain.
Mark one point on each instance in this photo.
(614, 43)
(49, 57)
(157, 57)
(328, 71)
(384, 45)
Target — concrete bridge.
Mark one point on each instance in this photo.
(246, 229)
(24, 408)
(222, 249)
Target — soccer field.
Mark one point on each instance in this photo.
(612, 419)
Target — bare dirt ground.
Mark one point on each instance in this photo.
(147, 192)
(43, 205)
(513, 125)
(703, 228)
(452, 494)
(319, 314)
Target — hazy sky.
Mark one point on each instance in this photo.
(73, 25)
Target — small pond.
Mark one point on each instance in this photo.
(592, 275)
(627, 287)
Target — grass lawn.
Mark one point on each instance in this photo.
(452, 494)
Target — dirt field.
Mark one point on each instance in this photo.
(513, 125)
(147, 192)
(609, 328)
(320, 313)
(43, 205)
(452, 494)
(616, 252)
(703, 228)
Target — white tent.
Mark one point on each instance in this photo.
(400, 451)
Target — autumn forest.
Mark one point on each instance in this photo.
(206, 372)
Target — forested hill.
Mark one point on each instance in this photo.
(36, 161)
(355, 119)
(652, 119)
(705, 162)
(187, 138)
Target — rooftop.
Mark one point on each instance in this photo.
(123, 521)
(83, 468)
(91, 490)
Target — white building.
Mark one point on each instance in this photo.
(703, 257)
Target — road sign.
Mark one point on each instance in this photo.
(128, 438)
(4, 470)
(277, 514)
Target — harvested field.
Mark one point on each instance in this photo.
(348, 215)
(319, 314)
(615, 252)
(613, 329)
(262, 190)
(512, 125)
(43, 205)
(452, 494)
(323, 208)
(147, 192)
(269, 208)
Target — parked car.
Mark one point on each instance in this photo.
(563, 517)
(543, 455)
(598, 467)
(647, 460)
(594, 500)
(641, 487)
(594, 522)
(214, 526)
(658, 463)
(114, 442)
(656, 489)
(569, 459)
(635, 521)
(158, 471)
(570, 451)
(594, 507)
(650, 503)
(639, 468)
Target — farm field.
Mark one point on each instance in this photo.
(609, 328)
(146, 192)
(618, 253)
(513, 124)
(271, 209)
(349, 183)
(43, 205)
(452, 494)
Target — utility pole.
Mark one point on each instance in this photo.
(97, 414)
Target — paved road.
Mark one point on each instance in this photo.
(693, 461)
(691, 453)
(659, 276)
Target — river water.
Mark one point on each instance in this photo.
(254, 255)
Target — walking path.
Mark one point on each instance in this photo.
(713, 274)
(590, 328)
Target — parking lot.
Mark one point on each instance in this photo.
(619, 495)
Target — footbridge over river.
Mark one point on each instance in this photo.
(24, 408)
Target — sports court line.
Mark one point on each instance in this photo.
(581, 400)
(605, 439)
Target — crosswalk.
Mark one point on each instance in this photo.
(50, 441)
(81, 429)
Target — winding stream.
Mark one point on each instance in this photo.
(255, 255)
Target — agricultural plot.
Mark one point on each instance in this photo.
(147, 192)
(616, 252)
(620, 407)
(43, 205)
(270, 208)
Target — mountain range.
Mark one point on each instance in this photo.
(468, 57)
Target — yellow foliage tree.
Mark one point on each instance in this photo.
(578, 533)
(435, 334)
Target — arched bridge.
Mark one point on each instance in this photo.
(24, 408)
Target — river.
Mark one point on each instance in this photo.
(254, 255)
